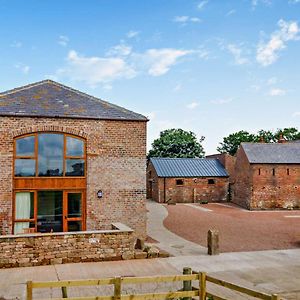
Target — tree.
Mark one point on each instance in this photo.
(232, 142)
(290, 134)
(177, 143)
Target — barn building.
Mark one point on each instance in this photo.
(69, 162)
(186, 180)
(267, 176)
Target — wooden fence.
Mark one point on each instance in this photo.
(187, 293)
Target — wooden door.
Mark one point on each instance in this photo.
(74, 211)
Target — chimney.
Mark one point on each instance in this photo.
(281, 139)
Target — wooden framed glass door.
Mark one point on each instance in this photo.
(74, 209)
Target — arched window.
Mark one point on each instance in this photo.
(49, 155)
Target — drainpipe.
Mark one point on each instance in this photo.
(164, 189)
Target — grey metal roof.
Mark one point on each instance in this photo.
(48, 98)
(188, 167)
(284, 153)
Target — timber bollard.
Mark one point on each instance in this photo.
(187, 285)
(213, 242)
(64, 292)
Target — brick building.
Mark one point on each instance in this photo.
(175, 180)
(267, 176)
(69, 162)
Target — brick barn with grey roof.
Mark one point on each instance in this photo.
(186, 180)
(69, 162)
(267, 176)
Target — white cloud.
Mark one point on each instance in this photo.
(195, 20)
(150, 115)
(267, 53)
(95, 70)
(222, 101)
(255, 87)
(121, 62)
(185, 19)
(24, 68)
(16, 44)
(177, 88)
(202, 4)
(193, 105)
(294, 1)
(296, 114)
(272, 81)
(120, 50)
(131, 34)
(107, 87)
(52, 77)
(63, 40)
(237, 54)
(277, 92)
(254, 3)
(161, 60)
(231, 12)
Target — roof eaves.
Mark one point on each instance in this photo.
(71, 117)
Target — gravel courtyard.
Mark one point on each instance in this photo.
(240, 230)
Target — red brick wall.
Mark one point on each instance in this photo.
(242, 184)
(281, 190)
(255, 186)
(228, 161)
(116, 164)
(193, 189)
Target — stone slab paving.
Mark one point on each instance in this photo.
(266, 271)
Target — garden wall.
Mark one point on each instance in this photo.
(71, 247)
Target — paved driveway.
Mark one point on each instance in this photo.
(240, 229)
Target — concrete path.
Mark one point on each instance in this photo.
(266, 271)
(168, 241)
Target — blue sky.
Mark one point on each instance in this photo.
(213, 67)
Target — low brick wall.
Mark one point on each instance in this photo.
(59, 248)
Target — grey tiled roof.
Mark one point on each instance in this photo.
(188, 167)
(48, 98)
(285, 153)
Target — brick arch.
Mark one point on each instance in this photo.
(49, 128)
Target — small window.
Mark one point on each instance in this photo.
(211, 181)
(288, 172)
(258, 171)
(179, 181)
(273, 172)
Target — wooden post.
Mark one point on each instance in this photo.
(213, 242)
(202, 285)
(187, 285)
(29, 290)
(275, 297)
(117, 291)
(64, 292)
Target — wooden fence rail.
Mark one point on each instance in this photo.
(187, 293)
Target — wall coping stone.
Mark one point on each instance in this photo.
(117, 228)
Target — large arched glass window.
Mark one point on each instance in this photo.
(49, 155)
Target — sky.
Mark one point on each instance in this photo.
(208, 66)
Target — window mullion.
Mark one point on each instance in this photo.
(36, 149)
